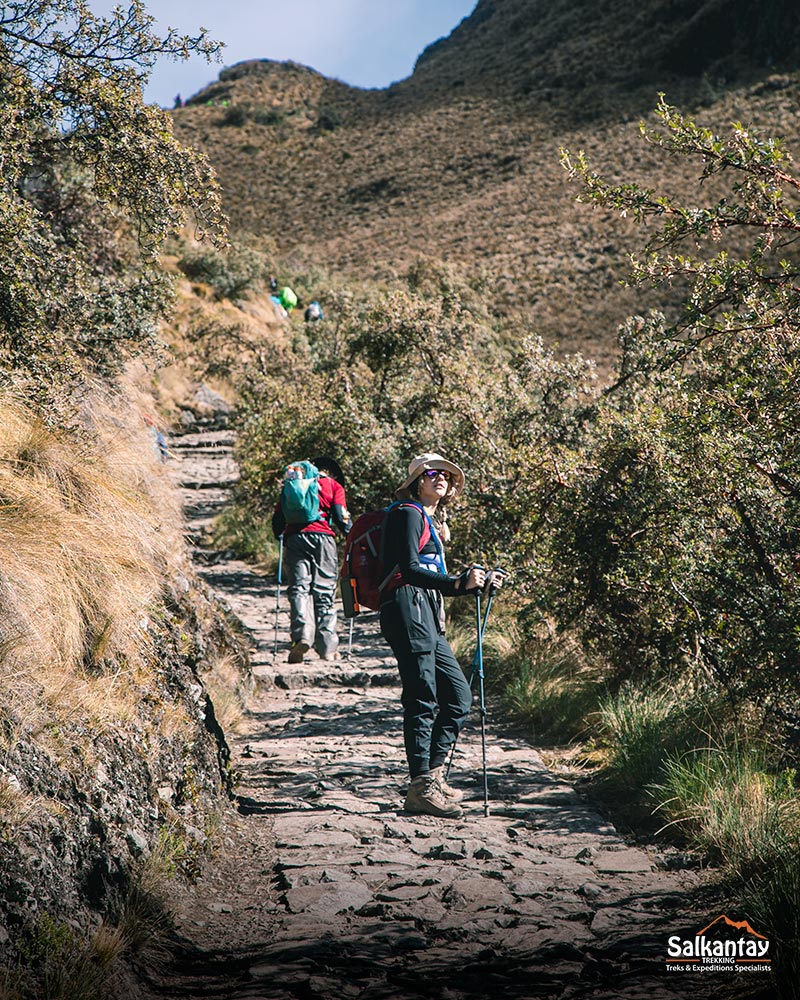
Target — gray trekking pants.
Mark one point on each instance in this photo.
(312, 567)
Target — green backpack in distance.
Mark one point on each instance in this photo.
(300, 493)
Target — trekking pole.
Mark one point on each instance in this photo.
(350, 640)
(482, 701)
(278, 595)
(488, 608)
(497, 571)
(471, 679)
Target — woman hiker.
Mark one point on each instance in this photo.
(436, 696)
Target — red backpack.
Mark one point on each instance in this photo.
(363, 576)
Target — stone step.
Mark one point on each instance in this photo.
(203, 441)
(190, 453)
(339, 673)
(217, 484)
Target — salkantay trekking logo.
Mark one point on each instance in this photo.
(725, 945)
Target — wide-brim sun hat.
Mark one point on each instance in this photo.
(430, 460)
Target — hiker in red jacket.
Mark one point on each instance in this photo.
(312, 566)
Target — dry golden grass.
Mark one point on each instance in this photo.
(78, 549)
(228, 692)
(210, 341)
(89, 531)
(16, 806)
(108, 945)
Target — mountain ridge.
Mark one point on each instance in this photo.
(365, 182)
(562, 43)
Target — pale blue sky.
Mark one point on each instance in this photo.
(366, 43)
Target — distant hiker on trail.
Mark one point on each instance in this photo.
(178, 101)
(273, 284)
(157, 439)
(287, 298)
(436, 696)
(311, 558)
(313, 312)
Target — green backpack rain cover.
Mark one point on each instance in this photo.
(300, 493)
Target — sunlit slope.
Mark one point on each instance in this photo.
(461, 161)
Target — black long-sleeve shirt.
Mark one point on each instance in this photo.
(401, 537)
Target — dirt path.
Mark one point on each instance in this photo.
(326, 889)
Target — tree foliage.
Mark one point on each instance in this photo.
(92, 181)
(657, 517)
(398, 372)
(686, 510)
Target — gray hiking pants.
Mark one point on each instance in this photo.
(312, 568)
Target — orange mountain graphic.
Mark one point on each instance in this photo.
(739, 925)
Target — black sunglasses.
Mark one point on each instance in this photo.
(433, 473)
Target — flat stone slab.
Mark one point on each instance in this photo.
(629, 860)
(325, 839)
(328, 897)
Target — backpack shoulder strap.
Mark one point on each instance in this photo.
(427, 527)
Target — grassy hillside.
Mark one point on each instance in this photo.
(114, 768)
(460, 161)
(113, 764)
(582, 52)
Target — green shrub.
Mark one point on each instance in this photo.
(328, 119)
(248, 533)
(729, 804)
(235, 115)
(94, 180)
(674, 534)
(547, 686)
(269, 116)
(230, 273)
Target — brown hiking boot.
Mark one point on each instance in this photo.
(425, 796)
(450, 793)
(297, 652)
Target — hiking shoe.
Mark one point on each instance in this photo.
(425, 796)
(450, 793)
(330, 656)
(297, 652)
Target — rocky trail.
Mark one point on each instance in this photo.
(325, 889)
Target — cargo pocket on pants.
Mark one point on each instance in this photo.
(415, 612)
